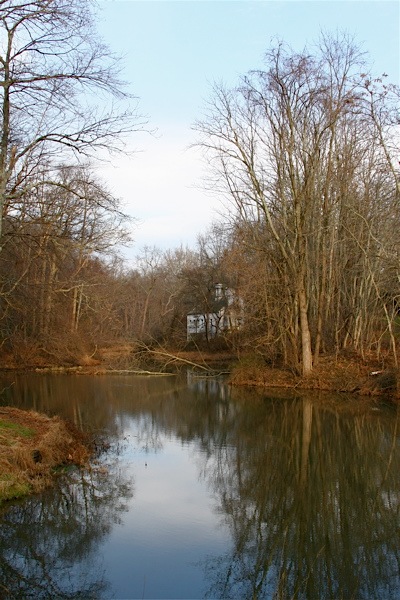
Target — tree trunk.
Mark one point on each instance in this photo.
(306, 352)
(305, 441)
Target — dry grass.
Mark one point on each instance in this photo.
(334, 374)
(32, 445)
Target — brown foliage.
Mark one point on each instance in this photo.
(333, 374)
(32, 446)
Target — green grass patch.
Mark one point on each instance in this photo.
(11, 488)
(16, 429)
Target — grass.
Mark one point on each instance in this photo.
(12, 488)
(334, 374)
(14, 428)
(32, 447)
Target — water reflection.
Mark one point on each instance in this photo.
(312, 502)
(49, 543)
(294, 498)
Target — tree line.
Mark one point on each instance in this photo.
(304, 153)
(62, 101)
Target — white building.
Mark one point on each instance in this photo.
(227, 315)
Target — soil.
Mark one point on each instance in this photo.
(32, 448)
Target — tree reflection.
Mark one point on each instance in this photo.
(49, 543)
(311, 495)
(312, 502)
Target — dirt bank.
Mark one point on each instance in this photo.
(32, 446)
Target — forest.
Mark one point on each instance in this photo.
(304, 154)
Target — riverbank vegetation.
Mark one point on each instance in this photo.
(32, 447)
(305, 155)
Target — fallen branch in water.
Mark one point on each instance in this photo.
(173, 358)
(132, 372)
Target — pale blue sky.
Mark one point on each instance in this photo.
(174, 51)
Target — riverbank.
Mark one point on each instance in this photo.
(347, 373)
(32, 448)
(332, 374)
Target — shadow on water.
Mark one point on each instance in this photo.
(49, 542)
(306, 497)
(312, 501)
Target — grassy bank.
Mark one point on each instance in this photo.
(333, 374)
(32, 446)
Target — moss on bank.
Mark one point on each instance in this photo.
(32, 446)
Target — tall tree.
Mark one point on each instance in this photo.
(289, 147)
(59, 91)
(53, 268)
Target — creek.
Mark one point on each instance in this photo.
(207, 491)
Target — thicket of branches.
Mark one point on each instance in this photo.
(305, 153)
(61, 101)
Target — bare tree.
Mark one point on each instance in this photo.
(53, 267)
(59, 91)
(289, 147)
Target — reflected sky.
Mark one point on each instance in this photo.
(171, 526)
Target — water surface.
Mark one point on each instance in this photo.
(208, 492)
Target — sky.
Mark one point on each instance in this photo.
(173, 51)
